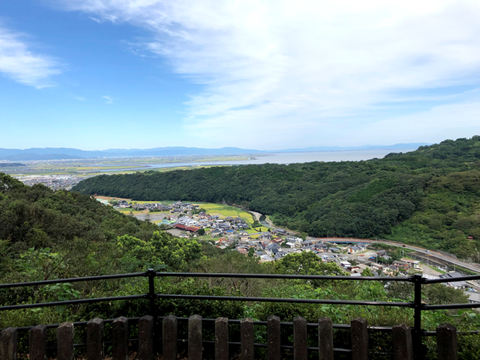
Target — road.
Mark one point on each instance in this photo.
(449, 259)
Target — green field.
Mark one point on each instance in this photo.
(254, 231)
(224, 210)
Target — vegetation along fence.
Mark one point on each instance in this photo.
(155, 331)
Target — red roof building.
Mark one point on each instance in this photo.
(186, 228)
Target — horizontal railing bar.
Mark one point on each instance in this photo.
(462, 333)
(265, 323)
(76, 323)
(232, 275)
(451, 306)
(231, 321)
(59, 281)
(71, 302)
(282, 276)
(301, 301)
(455, 279)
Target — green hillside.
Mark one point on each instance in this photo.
(429, 196)
(51, 235)
(46, 234)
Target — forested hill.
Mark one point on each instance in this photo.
(45, 233)
(430, 196)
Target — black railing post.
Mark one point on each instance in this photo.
(417, 325)
(151, 291)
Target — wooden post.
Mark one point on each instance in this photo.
(195, 337)
(221, 338)
(273, 338)
(8, 346)
(95, 329)
(359, 339)
(65, 341)
(145, 338)
(402, 342)
(38, 342)
(325, 339)
(170, 324)
(300, 338)
(447, 342)
(246, 335)
(120, 339)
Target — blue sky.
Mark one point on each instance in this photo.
(269, 74)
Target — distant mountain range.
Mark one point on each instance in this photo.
(69, 153)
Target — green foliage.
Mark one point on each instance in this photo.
(49, 235)
(161, 252)
(439, 294)
(429, 197)
(306, 263)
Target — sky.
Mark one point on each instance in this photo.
(257, 74)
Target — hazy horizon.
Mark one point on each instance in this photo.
(106, 74)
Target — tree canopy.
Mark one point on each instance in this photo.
(428, 197)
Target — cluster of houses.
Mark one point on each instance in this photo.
(229, 226)
(178, 207)
(54, 182)
(276, 243)
(271, 246)
(268, 246)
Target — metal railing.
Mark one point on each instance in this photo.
(417, 305)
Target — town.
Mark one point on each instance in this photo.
(187, 220)
(54, 182)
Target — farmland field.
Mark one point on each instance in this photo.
(224, 210)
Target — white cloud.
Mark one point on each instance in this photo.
(306, 68)
(108, 98)
(76, 97)
(21, 64)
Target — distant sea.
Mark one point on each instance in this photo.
(285, 158)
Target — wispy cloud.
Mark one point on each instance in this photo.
(300, 68)
(21, 64)
(76, 97)
(108, 98)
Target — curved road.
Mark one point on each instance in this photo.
(449, 259)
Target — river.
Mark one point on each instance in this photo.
(282, 158)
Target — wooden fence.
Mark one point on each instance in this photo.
(402, 340)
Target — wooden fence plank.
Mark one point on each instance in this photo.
(246, 335)
(170, 324)
(145, 338)
(274, 338)
(221, 338)
(325, 339)
(447, 342)
(359, 328)
(65, 341)
(38, 342)
(300, 338)
(95, 330)
(8, 346)
(402, 342)
(195, 337)
(120, 338)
